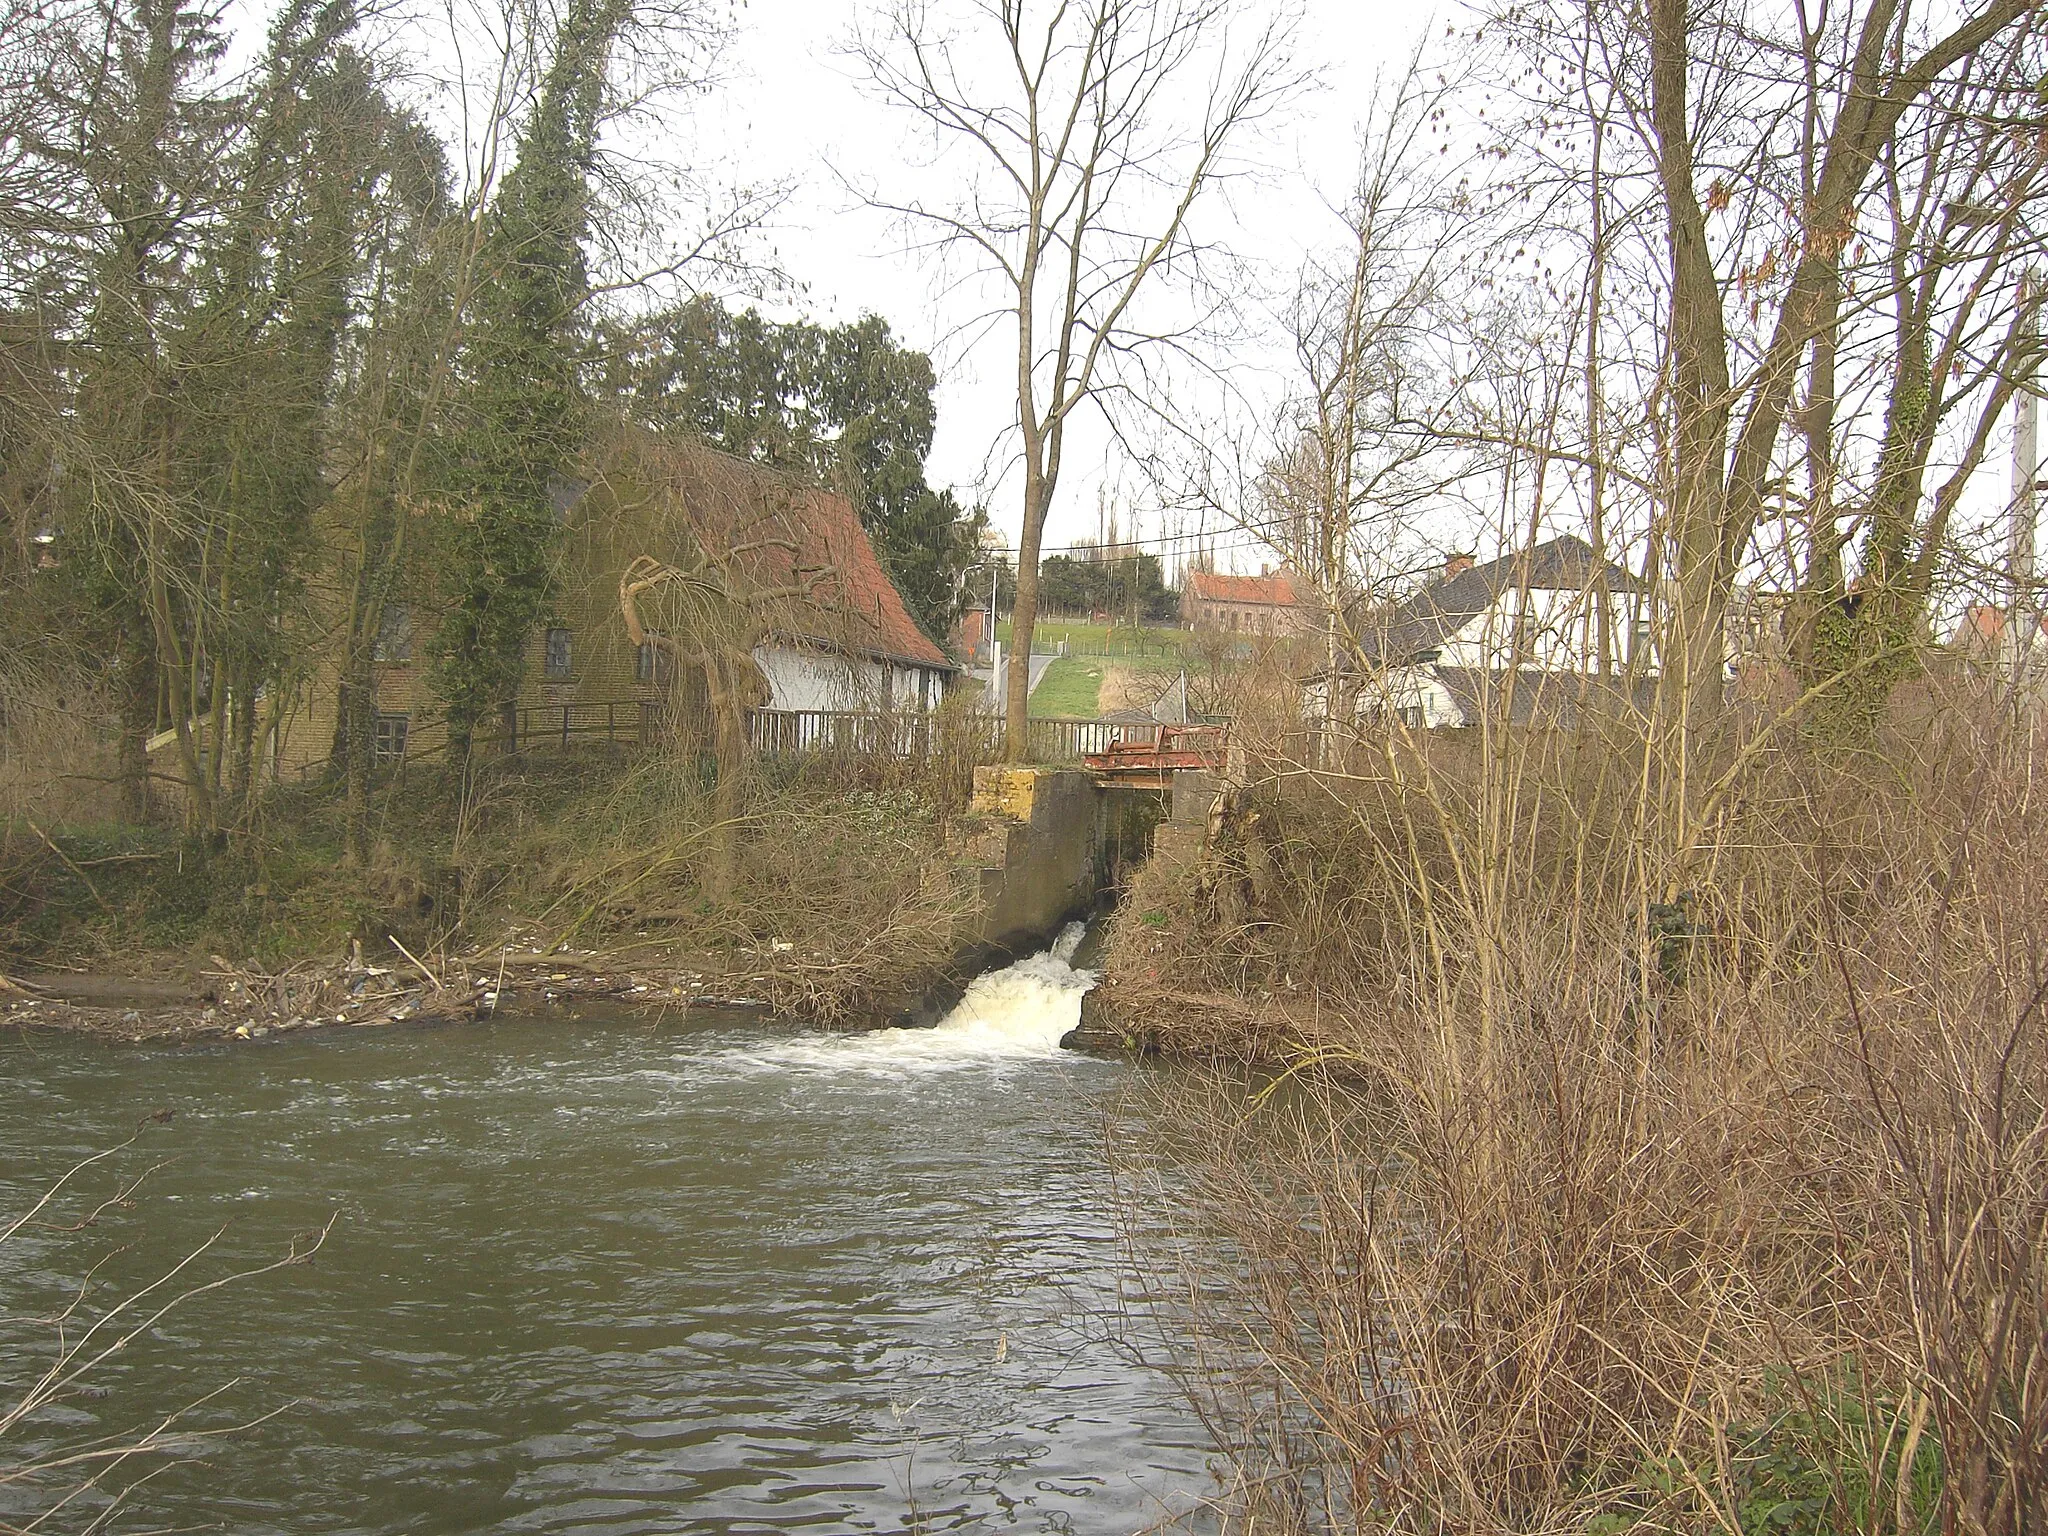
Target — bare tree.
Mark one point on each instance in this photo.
(1868, 73)
(1097, 127)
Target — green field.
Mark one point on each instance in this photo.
(1072, 686)
(1101, 639)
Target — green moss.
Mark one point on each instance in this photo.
(1821, 1457)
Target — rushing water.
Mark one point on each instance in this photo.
(602, 1276)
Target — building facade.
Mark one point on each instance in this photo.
(810, 602)
(1267, 604)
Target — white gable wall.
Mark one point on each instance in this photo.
(1560, 635)
(825, 680)
(1414, 694)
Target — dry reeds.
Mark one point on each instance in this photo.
(1621, 1179)
(839, 891)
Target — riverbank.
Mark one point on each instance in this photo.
(1656, 1147)
(238, 1003)
(841, 889)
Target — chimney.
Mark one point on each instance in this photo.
(1456, 564)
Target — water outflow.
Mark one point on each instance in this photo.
(1010, 1016)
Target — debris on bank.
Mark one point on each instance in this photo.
(241, 1002)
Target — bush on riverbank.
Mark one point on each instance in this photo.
(838, 886)
(1653, 1157)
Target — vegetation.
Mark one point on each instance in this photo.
(1103, 639)
(526, 417)
(842, 405)
(1071, 686)
(829, 891)
(1602, 1193)
(280, 357)
(1129, 588)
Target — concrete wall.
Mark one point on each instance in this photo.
(1054, 844)
(1049, 874)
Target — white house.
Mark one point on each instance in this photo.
(848, 643)
(1518, 636)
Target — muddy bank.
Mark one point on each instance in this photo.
(1145, 1016)
(224, 1001)
(227, 1002)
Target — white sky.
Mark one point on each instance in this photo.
(795, 108)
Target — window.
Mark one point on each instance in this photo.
(652, 663)
(394, 634)
(1639, 640)
(391, 731)
(1525, 631)
(558, 655)
(563, 494)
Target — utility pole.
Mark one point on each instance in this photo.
(2022, 618)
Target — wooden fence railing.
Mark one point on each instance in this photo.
(1056, 740)
(787, 732)
(636, 721)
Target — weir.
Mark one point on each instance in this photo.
(1052, 847)
(1057, 842)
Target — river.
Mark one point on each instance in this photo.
(602, 1275)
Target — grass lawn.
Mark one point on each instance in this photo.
(1072, 686)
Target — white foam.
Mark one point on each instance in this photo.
(1006, 1017)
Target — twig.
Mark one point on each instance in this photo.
(416, 960)
(70, 864)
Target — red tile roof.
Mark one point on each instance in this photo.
(1275, 591)
(791, 535)
(1988, 623)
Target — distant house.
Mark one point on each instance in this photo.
(1986, 638)
(1266, 604)
(1520, 633)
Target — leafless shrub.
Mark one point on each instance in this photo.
(838, 889)
(1643, 1159)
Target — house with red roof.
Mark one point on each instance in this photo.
(778, 568)
(1986, 638)
(1266, 604)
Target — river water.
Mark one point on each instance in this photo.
(601, 1275)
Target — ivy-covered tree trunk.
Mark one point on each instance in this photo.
(1863, 642)
(526, 407)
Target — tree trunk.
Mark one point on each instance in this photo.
(242, 764)
(1024, 616)
(138, 692)
(729, 732)
(1693, 646)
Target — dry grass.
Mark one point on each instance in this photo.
(1650, 1156)
(840, 892)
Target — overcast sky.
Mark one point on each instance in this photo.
(795, 108)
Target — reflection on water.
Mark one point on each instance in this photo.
(594, 1276)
